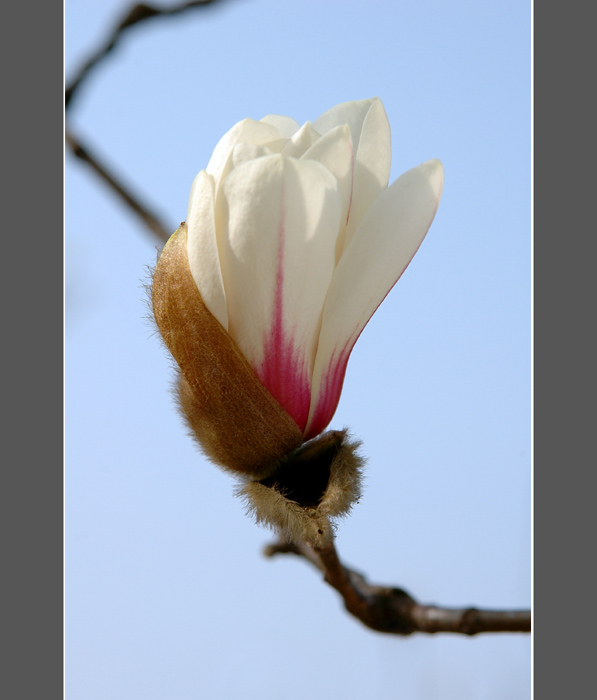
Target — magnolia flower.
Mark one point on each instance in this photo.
(292, 240)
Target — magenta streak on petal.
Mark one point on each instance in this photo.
(329, 396)
(283, 370)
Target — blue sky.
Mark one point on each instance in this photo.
(167, 592)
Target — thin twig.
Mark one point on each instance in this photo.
(136, 14)
(150, 220)
(393, 610)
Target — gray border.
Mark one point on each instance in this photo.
(32, 285)
(564, 320)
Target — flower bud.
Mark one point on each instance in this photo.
(292, 240)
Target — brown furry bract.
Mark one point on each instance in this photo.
(237, 422)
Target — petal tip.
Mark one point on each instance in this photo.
(433, 170)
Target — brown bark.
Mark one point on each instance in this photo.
(393, 610)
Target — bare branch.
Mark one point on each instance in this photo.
(393, 610)
(150, 220)
(136, 14)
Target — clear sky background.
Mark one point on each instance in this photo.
(167, 592)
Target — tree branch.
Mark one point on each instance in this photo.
(149, 219)
(393, 610)
(138, 13)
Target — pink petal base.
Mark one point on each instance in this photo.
(329, 395)
(283, 370)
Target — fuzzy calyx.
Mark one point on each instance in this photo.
(311, 487)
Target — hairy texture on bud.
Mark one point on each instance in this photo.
(236, 420)
(318, 482)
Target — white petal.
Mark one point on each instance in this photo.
(302, 140)
(381, 249)
(334, 150)
(279, 218)
(244, 152)
(354, 114)
(204, 261)
(285, 125)
(246, 131)
(373, 159)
